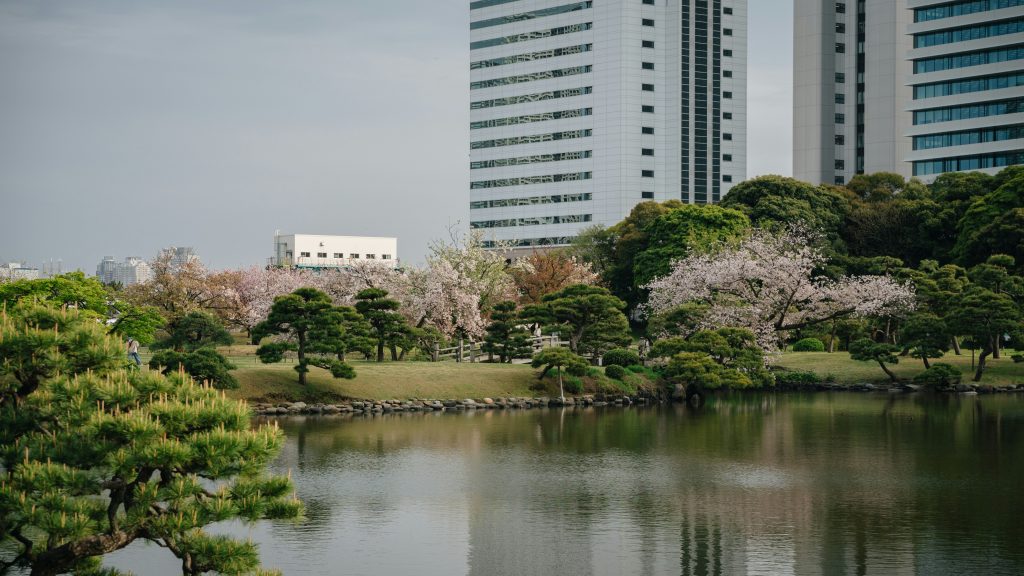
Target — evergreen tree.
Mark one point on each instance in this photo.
(557, 357)
(310, 325)
(193, 331)
(590, 317)
(871, 351)
(96, 458)
(505, 337)
(389, 328)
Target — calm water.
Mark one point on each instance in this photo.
(843, 484)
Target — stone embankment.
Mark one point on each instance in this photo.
(419, 405)
(963, 388)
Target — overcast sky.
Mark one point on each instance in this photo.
(130, 125)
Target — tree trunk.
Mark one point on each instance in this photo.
(61, 559)
(925, 358)
(832, 338)
(956, 346)
(887, 371)
(985, 351)
(302, 358)
(561, 390)
(995, 346)
(380, 350)
(394, 353)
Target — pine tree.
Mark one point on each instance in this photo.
(505, 337)
(96, 457)
(381, 312)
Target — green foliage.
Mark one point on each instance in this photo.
(589, 316)
(926, 335)
(96, 457)
(203, 365)
(138, 322)
(796, 378)
(387, 325)
(994, 223)
(723, 358)
(680, 321)
(557, 357)
(1017, 358)
(868, 350)
(193, 331)
(621, 357)
(985, 317)
(38, 343)
(775, 202)
(939, 375)
(505, 337)
(311, 324)
(73, 290)
(808, 345)
(676, 233)
(615, 371)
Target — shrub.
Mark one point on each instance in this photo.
(614, 371)
(620, 357)
(204, 365)
(573, 385)
(939, 375)
(809, 345)
(796, 378)
(1017, 358)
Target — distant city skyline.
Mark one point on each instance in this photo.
(131, 126)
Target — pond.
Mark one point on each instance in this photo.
(774, 484)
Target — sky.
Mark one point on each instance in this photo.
(131, 125)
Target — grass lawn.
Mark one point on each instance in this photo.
(388, 380)
(1001, 372)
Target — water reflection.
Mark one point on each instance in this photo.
(752, 484)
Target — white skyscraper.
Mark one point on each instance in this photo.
(850, 90)
(582, 109)
(968, 85)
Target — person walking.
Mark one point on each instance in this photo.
(133, 351)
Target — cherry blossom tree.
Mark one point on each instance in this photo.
(767, 284)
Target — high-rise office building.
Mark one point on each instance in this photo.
(968, 85)
(850, 90)
(581, 109)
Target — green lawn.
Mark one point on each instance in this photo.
(1001, 372)
(388, 380)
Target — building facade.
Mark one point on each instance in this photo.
(850, 89)
(11, 271)
(967, 80)
(133, 270)
(582, 109)
(319, 251)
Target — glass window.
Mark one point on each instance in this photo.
(841, 7)
(354, 256)
(726, 178)
(727, 73)
(529, 15)
(321, 254)
(531, 35)
(534, 159)
(840, 47)
(647, 43)
(338, 255)
(840, 119)
(647, 108)
(567, 135)
(726, 94)
(726, 157)
(727, 31)
(647, 22)
(647, 195)
(552, 53)
(647, 129)
(530, 77)
(726, 10)
(647, 87)
(542, 117)
(647, 173)
(527, 180)
(304, 254)
(371, 257)
(647, 151)
(647, 65)
(385, 256)
(726, 115)
(727, 53)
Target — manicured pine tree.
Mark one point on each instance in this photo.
(389, 327)
(505, 336)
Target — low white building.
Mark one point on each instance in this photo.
(12, 271)
(320, 251)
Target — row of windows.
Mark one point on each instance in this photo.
(951, 113)
(534, 159)
(997, 160)
(530, 15)
(962, 8)
(531, 77)
(971, 85)
(527, 242)
(967, 137)
(534, 138)
(533, 221)
(539, 117)
(552, 53)
(526, 180)
(968, 59)
(530, 201)
(531, 35)
(341, 256)
(968, 33)
(549, 95)
(486, 3)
